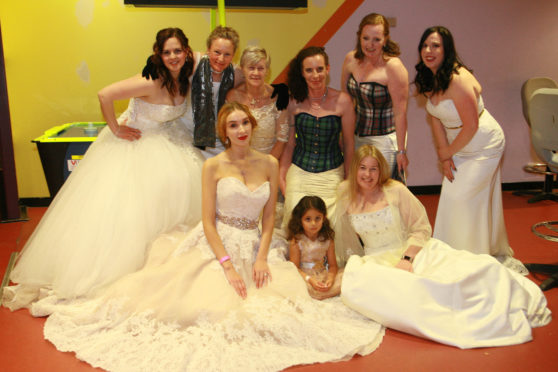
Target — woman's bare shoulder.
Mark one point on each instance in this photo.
(350, 57)
(463, 82)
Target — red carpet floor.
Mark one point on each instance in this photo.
(23, 349)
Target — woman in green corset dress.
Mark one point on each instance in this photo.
(315, 161)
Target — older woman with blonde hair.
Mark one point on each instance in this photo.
(267, 102)
(404, 279)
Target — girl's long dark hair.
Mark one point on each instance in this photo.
(425, 80)
(164, 74)
(295, 79)
(304, 205)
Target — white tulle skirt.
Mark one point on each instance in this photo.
(120, 197)
(179, 313)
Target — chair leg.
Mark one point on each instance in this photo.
(548, 269)
(548, 186)
(548, 181)
(550, 282)
(543, 196)
(525, 192)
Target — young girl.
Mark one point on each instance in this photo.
(312, 249)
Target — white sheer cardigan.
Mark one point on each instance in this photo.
(407, 212)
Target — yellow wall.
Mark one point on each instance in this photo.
(59, 53)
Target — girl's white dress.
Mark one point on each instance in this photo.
(121, 196)
(179, 313)
(453, 296)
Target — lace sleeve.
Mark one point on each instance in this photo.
(283, 126)
(283, 131)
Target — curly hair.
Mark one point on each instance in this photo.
(224, 113)
(295, 79)
(221, 32)
(391, 48)
(426, 80)
(162, 71)
(304, 205)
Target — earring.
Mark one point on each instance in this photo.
(227, 142)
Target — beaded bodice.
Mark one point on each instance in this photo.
(239, 206)
(377, 230)
(145, 116)
(311, 251)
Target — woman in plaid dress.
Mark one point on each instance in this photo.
(321, 142)
(378, 82)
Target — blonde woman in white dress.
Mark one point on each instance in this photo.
(402, 278)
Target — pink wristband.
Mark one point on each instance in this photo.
(224, 259)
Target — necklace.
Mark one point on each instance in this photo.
(256, 101)
(241, 164)
(215, 72)
(316, 103)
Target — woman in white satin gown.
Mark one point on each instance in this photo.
(470, 145)
(216, 298)
(140, 178)
(410, 282)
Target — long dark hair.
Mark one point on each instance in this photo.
(391, 48)
(303, 206)
(295, 79)
(167, 80)
(425, 80)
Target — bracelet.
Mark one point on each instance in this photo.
(224, 259)
(408, 258)
(402, 152)
(307, 278)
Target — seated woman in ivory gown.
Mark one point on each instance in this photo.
(215, 298)
(140, 178)
(416, 284)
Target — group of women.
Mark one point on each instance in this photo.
(137, 286)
